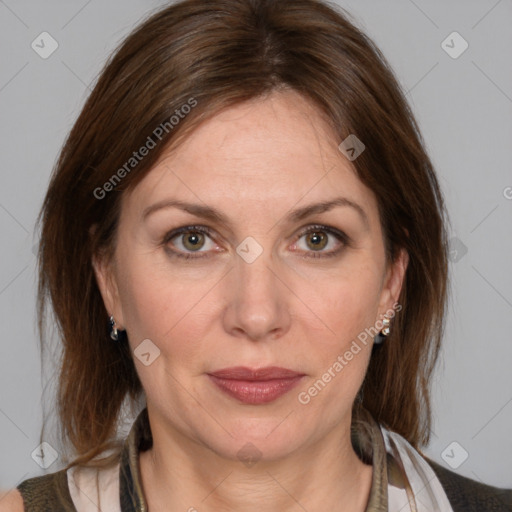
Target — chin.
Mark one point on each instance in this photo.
(265, 439)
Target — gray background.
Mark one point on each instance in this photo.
(464, 107)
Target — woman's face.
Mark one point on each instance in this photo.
(270, 280)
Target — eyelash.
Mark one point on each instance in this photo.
(342, 237)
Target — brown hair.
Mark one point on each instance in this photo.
(217, 54)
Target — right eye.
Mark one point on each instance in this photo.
(185, 241)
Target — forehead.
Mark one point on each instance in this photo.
(272, 151)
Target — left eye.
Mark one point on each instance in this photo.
(322, 240)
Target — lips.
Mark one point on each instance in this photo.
(255, 386)
(244, 373)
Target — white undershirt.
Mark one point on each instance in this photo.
(94, 490)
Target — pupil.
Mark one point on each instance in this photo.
(193, 240)
(317, 240)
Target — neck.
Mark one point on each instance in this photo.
(179, 474)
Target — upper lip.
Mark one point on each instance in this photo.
(255, 374)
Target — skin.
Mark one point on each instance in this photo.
(255, 163)
(11, 501)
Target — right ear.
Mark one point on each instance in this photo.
(104, 270)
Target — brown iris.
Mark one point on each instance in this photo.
(193, 240)
(316, 240)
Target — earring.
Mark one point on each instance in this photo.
(115, 333)
(360, 395)
(381, 336)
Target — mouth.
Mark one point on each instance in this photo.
(255, 386)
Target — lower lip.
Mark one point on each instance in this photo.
(256, 392)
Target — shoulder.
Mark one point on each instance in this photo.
(11, 501)
(467, 495)
(46, 492)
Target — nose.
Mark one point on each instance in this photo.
(257, 300)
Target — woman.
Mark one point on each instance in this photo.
(245, 236)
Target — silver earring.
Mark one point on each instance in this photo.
(114, 333)
(381, 336)
(386, 322)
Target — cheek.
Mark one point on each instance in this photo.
(345, 302)
(164, 308)
(348, 306)
(161, 311)
(147, 307)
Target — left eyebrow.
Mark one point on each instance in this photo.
(296, 215)
(307, 211)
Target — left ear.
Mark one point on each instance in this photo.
(393, 282)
